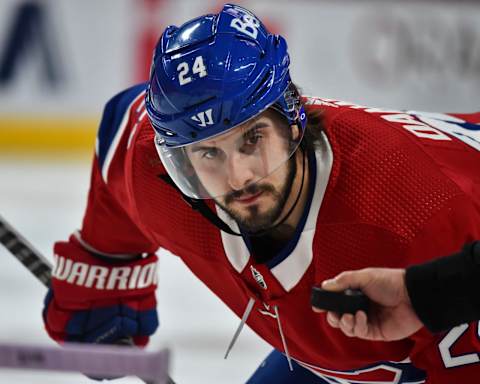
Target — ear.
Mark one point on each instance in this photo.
(295, 132)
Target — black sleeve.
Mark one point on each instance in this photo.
(445, 292)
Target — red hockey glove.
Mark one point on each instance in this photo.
(99, 300)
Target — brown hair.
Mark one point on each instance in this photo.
(314, 128)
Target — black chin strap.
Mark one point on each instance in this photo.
(200, 206)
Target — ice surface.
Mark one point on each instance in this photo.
(44, 200)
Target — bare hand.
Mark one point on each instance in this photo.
(390, 317)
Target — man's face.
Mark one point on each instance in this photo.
(247, 170)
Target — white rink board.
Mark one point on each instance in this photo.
(195, 325)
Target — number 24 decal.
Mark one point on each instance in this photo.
(198, 68)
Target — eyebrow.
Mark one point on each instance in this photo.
(258, 125)
(255, 126)
(201, 148)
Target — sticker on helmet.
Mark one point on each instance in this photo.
(198, 68)
(247, 24)
(203, 118)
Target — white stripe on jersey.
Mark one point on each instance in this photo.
(142, 116)
(116, 140)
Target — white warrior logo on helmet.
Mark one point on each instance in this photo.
(203, 118)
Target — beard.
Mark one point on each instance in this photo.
(251, 219)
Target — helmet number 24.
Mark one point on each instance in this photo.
(198, 68)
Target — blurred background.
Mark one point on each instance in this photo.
(60, 61)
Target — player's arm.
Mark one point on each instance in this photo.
(444, 292)
(104, 278)
(452, 355)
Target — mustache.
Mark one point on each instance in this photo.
(249, 190)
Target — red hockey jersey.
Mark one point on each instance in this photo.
(391, 188)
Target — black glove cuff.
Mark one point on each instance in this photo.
(444, 291)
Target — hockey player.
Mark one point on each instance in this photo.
(264, 194)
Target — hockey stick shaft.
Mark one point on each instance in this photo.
(32, 259)
(24, 252)
(98, 360)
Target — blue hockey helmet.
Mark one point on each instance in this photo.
(212, 74)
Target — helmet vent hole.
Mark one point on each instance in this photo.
(226, 121)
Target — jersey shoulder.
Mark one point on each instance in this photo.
(392, 176)
(120, 116)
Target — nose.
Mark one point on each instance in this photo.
(240, 171)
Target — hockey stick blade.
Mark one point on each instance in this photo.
(95, 360)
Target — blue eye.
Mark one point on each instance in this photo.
(210, 154)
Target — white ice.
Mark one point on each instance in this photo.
(44, 200)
